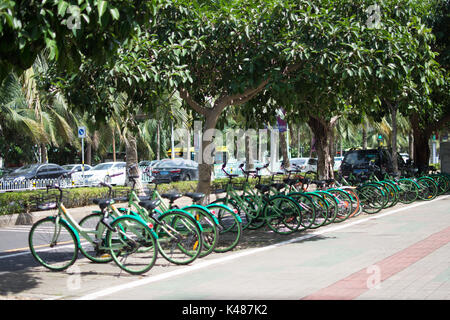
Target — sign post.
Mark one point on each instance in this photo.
(82, 135)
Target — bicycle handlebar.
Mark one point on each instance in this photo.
(109, 186)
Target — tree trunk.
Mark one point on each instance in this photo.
(364, 135)
(421, 149)
(393, 109)
(132, 159)
(411, 145)
(323, 133)
(206, 164)
(43, 150)
(249, 165)
(284, 150)
(88, 156)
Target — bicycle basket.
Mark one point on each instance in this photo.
(45, 201)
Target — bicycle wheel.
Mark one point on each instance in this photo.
(409, 191)
(307, 208)
(428, 188)
(442, 182)
(321, 210)
(384, 193)
(344, 204)
(282, 214)
(236, 207)
(179, 237)
(392, 193)
(132, 244)
(209, 223)
(96, 252)
(356, 206)
(53, 243)
(254, 212)
(371, 198)
(230, 227)
(333, 207)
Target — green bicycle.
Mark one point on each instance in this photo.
(257, 208)
(54, 241)
(180, 238)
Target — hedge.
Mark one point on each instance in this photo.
(28, 201)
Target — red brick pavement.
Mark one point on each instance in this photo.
(361, 281)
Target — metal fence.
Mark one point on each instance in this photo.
(35, 184)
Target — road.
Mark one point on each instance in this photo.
(399, 253)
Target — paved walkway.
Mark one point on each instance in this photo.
(402, 253)
(399, 253)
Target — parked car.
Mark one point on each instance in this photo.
(169, 170)
(337, 163)
(76, 167)
(358, 161)
(110, 172)
(405, 156)
(36, 171)
(148, 165)
(5, 171)
(305, 164)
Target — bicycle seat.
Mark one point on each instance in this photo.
(262, 187)
(305, 180)
(172, 196)
(102, 203)
(290, 182)
(278, 186)
(196, 196)
(150, 204)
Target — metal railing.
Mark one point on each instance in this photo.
(35, 184)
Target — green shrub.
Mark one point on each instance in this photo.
(28, 201)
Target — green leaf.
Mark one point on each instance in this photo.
(101, 7)
(62, 8)
(114, 13)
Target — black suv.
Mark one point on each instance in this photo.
(359, 161)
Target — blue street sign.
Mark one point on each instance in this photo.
(81, 132)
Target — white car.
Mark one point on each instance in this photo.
(337, 163)
(304, 164)
(405, 156)
(110, 172)
(76, 167)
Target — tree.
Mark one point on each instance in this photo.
(234, 51)
(69, 30)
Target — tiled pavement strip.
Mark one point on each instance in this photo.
(358, 283)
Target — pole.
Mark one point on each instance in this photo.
(172, 141)
(82, 157)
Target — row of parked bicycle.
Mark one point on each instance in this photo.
(134, 235)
